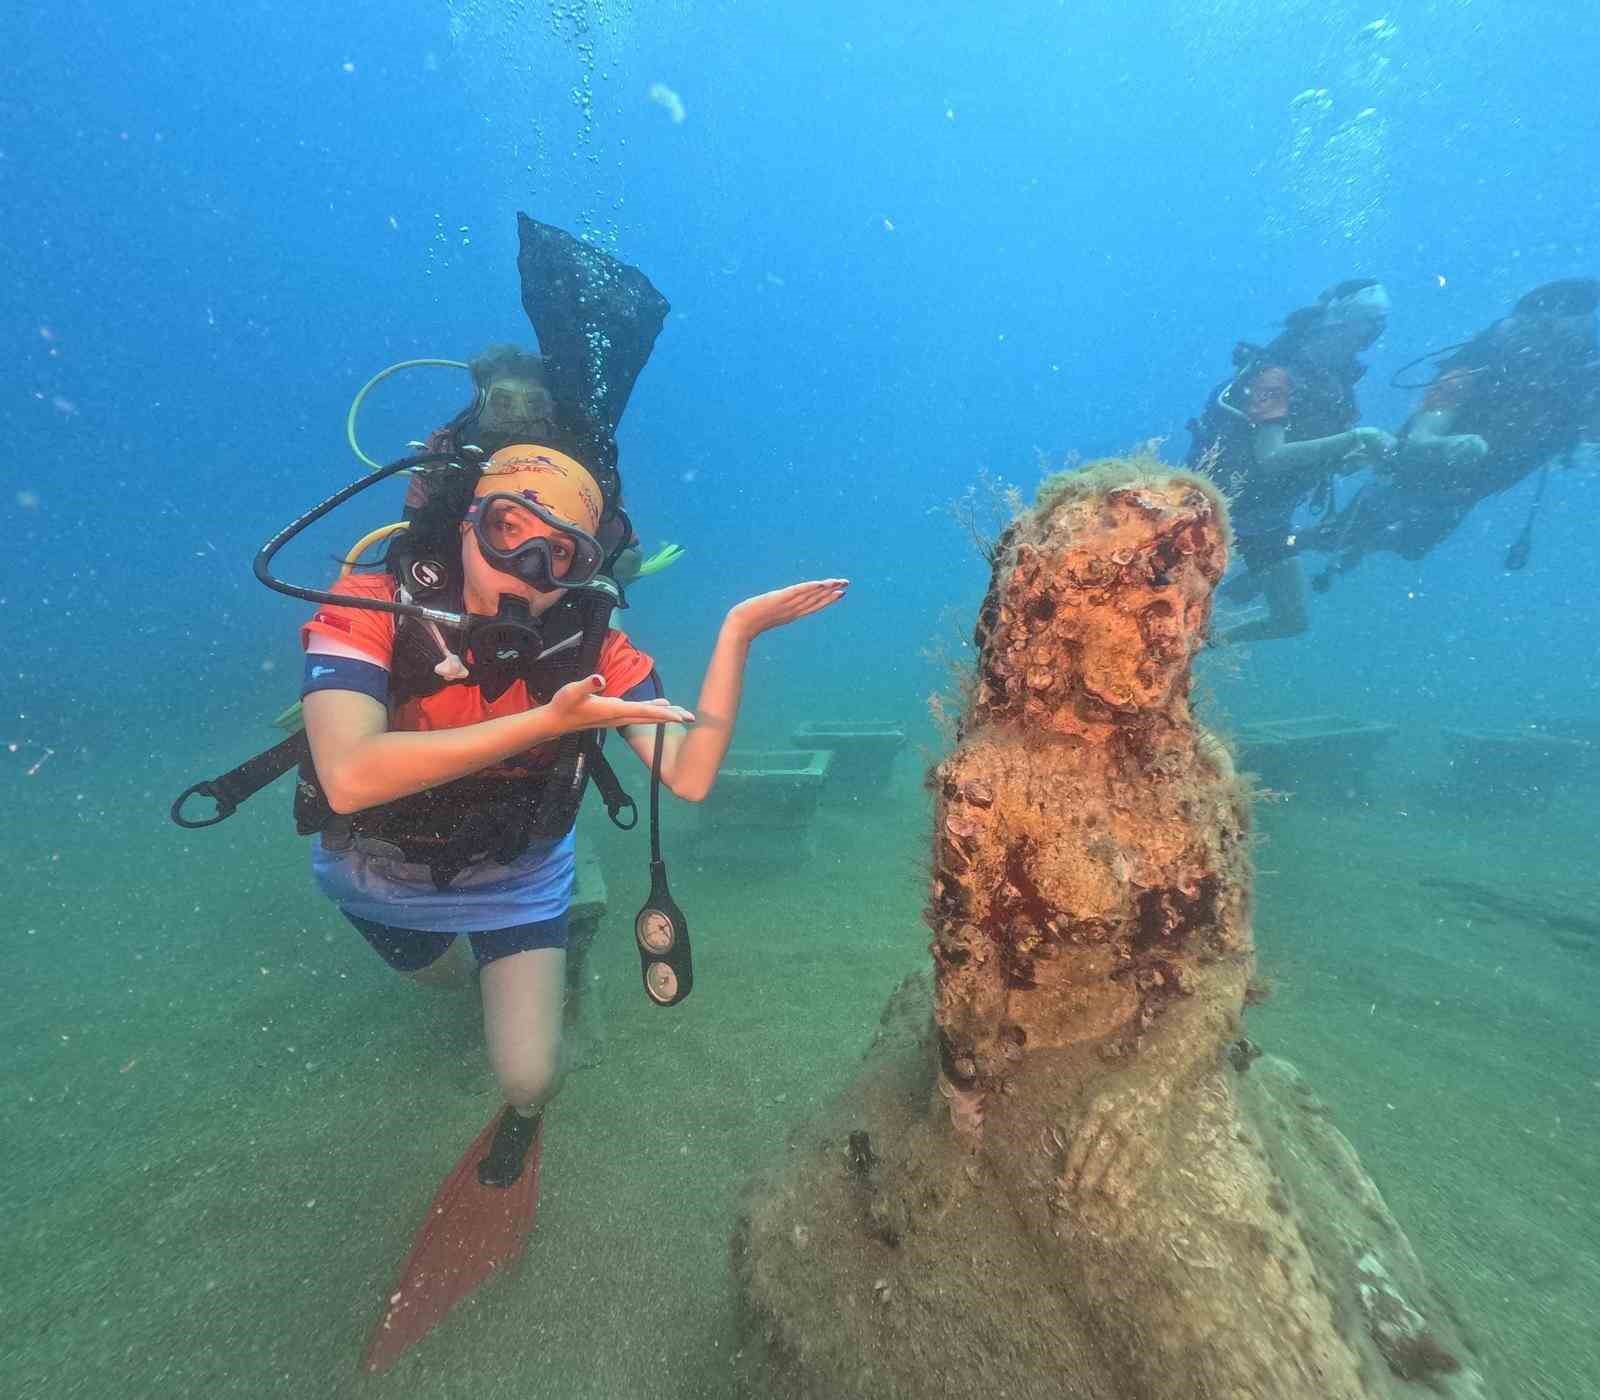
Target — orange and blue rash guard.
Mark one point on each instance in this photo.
(351, 649)
(371, 632)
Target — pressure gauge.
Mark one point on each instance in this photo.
(661, 982)
(655, 932)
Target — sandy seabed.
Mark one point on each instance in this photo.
(226, 1116)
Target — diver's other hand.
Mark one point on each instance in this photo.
(1466, 450)
(1372, 443)
(765, 611)
(579, 705)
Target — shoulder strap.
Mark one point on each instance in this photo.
(611, 790)
(245, 781)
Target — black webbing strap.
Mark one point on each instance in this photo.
(245, 781)
(611, 791)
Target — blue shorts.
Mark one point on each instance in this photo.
(412, 949)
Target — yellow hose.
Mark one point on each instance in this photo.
(290, 718)
(366, 542)
(369, 386)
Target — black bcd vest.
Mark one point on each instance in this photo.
(478, 818)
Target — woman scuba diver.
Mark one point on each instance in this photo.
(455, 700)
(453, 703)
(436, 768)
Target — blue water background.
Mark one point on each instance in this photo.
(902, 245)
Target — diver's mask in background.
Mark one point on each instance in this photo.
(508, 409)
(511, 401)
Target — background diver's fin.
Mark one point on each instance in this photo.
(597, 320)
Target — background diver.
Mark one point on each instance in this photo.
(1277, 430)
(512, 403)
(1519, 396)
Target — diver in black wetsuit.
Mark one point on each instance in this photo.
(1278, 429)
(1518, 397)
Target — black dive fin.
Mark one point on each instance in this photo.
(597, 320)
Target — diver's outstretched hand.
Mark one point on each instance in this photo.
(784, 605)
(1371, 444)
(579, 705)
(1465, 450)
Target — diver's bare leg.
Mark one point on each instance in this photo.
(522, 996)
(1284, 587)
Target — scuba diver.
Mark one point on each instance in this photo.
(1277, 431)
(441, 795)
(1519, 396)
(430, 765)
(456, 697)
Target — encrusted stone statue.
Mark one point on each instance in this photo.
(1064, 1171)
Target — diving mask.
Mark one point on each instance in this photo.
(510, 410)
(520, 536)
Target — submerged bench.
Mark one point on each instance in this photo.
(863, 754)
(1327, 756)
(760, 811)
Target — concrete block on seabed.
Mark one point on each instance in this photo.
(761, 809)
(1326, 756)
(863, 751)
